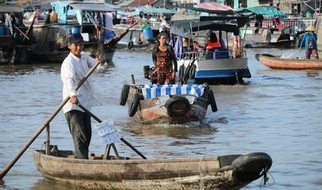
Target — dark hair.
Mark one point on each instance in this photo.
(161, 34)
(213, 37)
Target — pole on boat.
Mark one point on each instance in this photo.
(122, 139)
(51, 117)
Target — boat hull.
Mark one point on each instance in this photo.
(167, 106)
(214, 172)
(275, 62)
(198, 68)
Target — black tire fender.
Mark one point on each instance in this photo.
(251, 166)
(192, 71)
(133, 106)
(181, 74)
(124, 94)
(130, 45)
(177, 106)
(212, 101)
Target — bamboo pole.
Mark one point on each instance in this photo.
(50, 118)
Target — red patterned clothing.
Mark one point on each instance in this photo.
(164, 67)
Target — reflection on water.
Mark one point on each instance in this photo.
(174, 131)
(275, 111)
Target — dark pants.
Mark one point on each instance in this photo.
(79, 124)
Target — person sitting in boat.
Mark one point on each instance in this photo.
(309, 43)
(130, 19)
(164, 60)
(213, 43)
(145, 23)
(73, 70)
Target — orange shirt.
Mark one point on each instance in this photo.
(211, 44)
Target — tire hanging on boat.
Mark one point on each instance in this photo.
(130, 45)
(251, 166)
(133, 106)
(124, 94)
(181, 75)
(190, 71)
(212, 101)
(177, 106)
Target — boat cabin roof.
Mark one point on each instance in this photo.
(86, 6)
(4, 8)
(219, 23)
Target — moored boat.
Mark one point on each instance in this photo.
(152, 104)
(51, 39)
(289, 62)
(15, 45)
(109, 172)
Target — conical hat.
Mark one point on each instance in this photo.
(310, 28)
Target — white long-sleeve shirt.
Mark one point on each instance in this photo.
(73, 70)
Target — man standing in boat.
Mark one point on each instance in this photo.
(73, 70)
(309, 43)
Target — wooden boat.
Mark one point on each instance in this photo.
(289, 62)
(15, 47)
(151, 104)
(110, 172)
(51, 39)
(267, 38)
(225, 65)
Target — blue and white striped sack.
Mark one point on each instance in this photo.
(153, 90)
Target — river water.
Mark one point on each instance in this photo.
(275, 111)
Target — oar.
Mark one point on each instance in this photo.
(15, 159)
(122, 139)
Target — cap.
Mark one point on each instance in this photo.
(130, 15)
(310, 28)
(75, 38)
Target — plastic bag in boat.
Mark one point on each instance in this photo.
(288, 56)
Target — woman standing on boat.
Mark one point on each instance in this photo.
(164, 60)
(309, 42)
(73, 70)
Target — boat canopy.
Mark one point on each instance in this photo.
(93, 7)
(262, 10)
(218, 10)
(186, 27)
(10, 9)
(153, 10)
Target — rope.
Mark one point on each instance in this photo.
(265, 179)
(202, 184)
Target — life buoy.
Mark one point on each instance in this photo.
(124, 94)
(130, 45)
(212, 101)
(251, 166)
(133, 106)
(177, 106)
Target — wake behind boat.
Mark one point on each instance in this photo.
(288, 61)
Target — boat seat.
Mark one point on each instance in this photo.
(221, 53)
(153, 90)
(108, 149)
